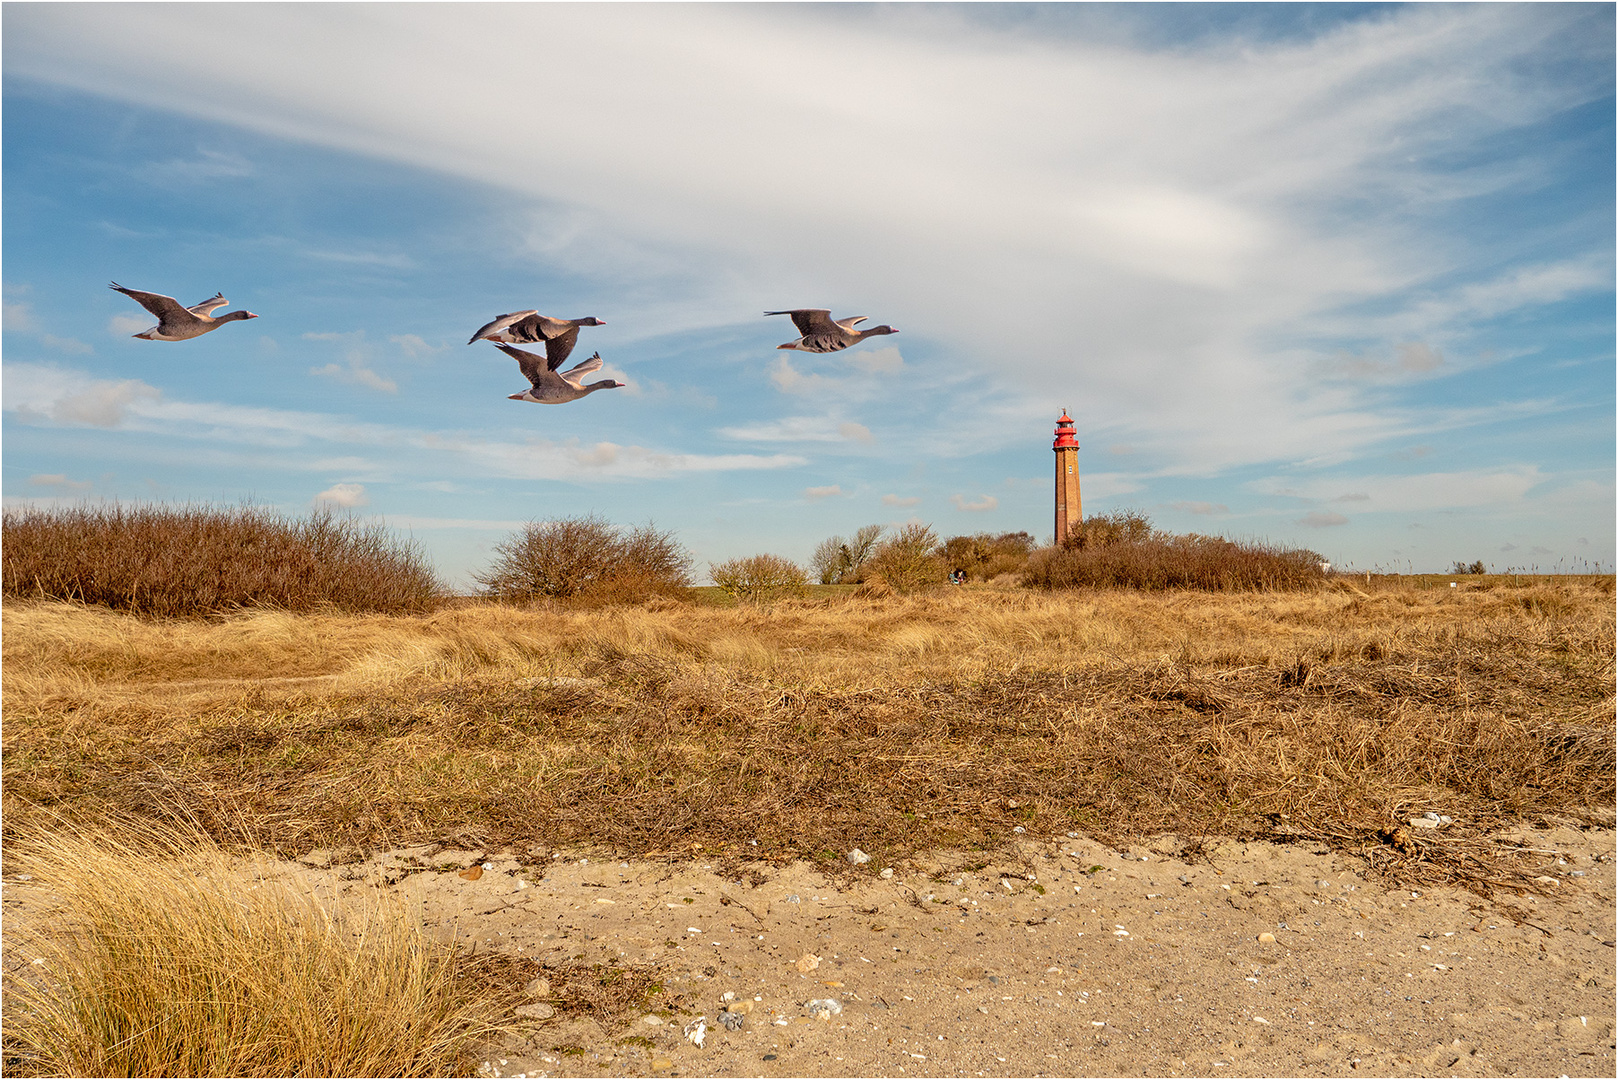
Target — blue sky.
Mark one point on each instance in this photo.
(1339, 276)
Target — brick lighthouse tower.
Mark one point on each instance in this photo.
(1069, 510)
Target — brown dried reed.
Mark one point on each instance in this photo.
(1176, 562)
(182, 561)
(816, 726)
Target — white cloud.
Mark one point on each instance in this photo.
(128, 325)
(355, 369)
(1177, 236)
(68, 345)
(880, 361)
(59, 480)
(822, 492)
(415, 346)
(898, 500)
(18, 315)
(823, 429)
(357, 374)
(1419, 492)
(982, 503)
(37, 393)
(1322, 519)
(344, 495)
(208, 165)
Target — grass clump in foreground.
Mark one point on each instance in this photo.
(199, 560)
(168, 958)
(1123, 550)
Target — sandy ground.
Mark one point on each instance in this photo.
(1266, 960)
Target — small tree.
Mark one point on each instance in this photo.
(761, 579)
(585, 556)
(1474, 568)
(910, 560)
(839, 561)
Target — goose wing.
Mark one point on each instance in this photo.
(533, 366)
(851, 322)
(166, 308)
(502, 322)
(584, 367)
(557, 348)
(810, 321)
(209, 306)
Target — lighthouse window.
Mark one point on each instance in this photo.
(1070, 468)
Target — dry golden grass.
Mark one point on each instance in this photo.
(894, 724)
(169, 958)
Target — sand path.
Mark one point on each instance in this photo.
(1035, 964)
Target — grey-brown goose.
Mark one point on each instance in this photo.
(547, 386)
(176, 323)
(821, 334)
(531, 328)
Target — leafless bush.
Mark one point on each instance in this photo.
(197, 560)
(909, 561)
(1105, 530)
(1162, 561)
(985, 556)
(760, 579)
(585, 558)
(843, 562)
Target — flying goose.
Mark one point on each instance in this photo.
(530, 328)
(550, 387)
(821, 334)
(176, 323)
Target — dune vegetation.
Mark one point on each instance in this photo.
(815, 725)
(167, 956)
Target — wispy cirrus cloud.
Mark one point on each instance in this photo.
(40, 394)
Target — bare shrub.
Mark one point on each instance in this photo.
(1469, 568)
(584, 558)
(170, 959)
(1130, 554)
(843, 562)
(1104, 530)
(198, 560)
(985, 556)
(760, 579)
(909, 561)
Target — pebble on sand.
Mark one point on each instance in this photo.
(1266, 937)
(808, 962)
(858, 857)
(824, 1008)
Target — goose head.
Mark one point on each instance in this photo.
(592, 321)
(873, 331)
(231, 316)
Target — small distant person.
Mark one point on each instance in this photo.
(957, 577)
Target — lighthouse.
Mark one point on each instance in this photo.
(1069, 510)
